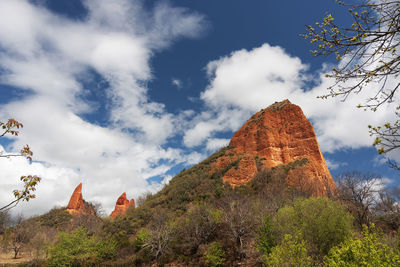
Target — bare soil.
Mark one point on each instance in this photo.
(6, 259)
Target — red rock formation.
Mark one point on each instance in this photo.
(279, 134)
(77, 205)
(122, 206)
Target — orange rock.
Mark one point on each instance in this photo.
(279, 134)
(77, 205)
(122, 206)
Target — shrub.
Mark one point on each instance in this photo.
(290, 252)
(57, 218)
(367, 251)
(321, 222)
(198, 227)
(80, 249)
(142, 237)
(265, 240)
(214, 256)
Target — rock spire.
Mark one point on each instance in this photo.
(77, 205)
(122, 205)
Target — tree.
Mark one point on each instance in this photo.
(5, 220)
(239, 222)
(199, 226)
(18, 237)
(265, 239)
(291, 252)
(81, 249)
(360, 193)
(322, 223)
(367, 251)
(30, 181)
(368, 50)
(387, 210)
(160, 235)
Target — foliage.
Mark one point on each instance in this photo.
(369, 52)
(214, 256)
(80, 249)
(321, 222)
(141, 239)
(265, 239)
(195, 184)
(398, 240)
(56, 218)
(30, 181)
(367, 251)
(291, 252)
(199, 226)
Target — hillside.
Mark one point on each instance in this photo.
(266, 199)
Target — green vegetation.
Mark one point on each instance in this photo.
(214, 256)
(291, 252)
(265, 239)
(80, 249)
(197, 220)
(367, 251)
(321, 222)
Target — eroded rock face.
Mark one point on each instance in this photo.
(279, 134)
(122, 206)
(77, 205)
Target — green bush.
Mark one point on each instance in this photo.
(321, 222)
(80, 249)
(141, 238)
(291, 252)
(367, 251)
(265, 240)
(214, 256)
(57, 218)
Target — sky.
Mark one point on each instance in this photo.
(122, 95)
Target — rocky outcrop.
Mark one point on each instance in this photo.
(278, 135)
(122, 206)
(77, 205)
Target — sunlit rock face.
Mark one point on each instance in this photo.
(122, 206)
(279, 134)
(77, 205)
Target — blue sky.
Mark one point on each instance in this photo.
(122, 95)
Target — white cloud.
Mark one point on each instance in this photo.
(333, 165)
(247, 80)
(213, 144)
(177, 83)
(47, 55)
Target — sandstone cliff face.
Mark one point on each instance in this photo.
(279, 134)
(122, 206)
(77, 205)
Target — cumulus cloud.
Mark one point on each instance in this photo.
(48, 58)
(47, 55)
(247, 80)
